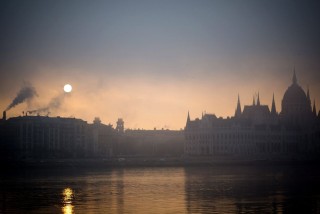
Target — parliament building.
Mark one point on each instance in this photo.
(258, 133)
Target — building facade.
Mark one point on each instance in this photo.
(26, 137)
(151, 143)
(257, 132)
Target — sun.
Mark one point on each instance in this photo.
(67, 88)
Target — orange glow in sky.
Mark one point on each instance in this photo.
(148, 102)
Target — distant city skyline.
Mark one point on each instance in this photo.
(150, 62)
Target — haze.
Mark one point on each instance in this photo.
(150, 62)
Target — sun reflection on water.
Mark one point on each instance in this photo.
(67, 209)
(68, 196)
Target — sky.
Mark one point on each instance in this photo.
(150, 62)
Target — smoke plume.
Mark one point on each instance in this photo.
(54, 104)
(26, 93)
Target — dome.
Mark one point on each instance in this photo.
(294, 95)
(295, 102)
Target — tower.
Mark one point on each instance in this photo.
(120, 126)
(238, 109)
(294, 77)
(188, 118)
(97, 121)
(273, 107)
(4, 115)
(314, 111)
(308, 98)
(258, 100)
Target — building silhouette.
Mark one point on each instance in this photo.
(258, 133)
(38, 136)
(43, 137)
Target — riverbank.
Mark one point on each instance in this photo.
(143, 162)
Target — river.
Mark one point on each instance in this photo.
(214, 189)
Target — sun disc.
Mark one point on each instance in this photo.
(67, 88)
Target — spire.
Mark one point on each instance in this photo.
(308, 98)
(253, 102)
(273, 108)
(238, 110)
(294, 78)
(188, 118)
(258, 100)
(314, 111)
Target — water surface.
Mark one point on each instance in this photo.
(220, 189)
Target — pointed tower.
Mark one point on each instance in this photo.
(254, 101)
(238, 110)
(314, 111)
(273, 107)
(258, 100)
(4, 115)
(294, 78)
(308, 98)
(188, 118)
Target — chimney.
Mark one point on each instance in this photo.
(4, 115)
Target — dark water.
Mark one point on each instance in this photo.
(231, 189)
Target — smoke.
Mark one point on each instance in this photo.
(54, 104)
(26, 93)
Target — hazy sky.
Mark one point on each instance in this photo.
(150, 62)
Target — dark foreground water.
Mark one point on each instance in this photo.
(223, 189)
